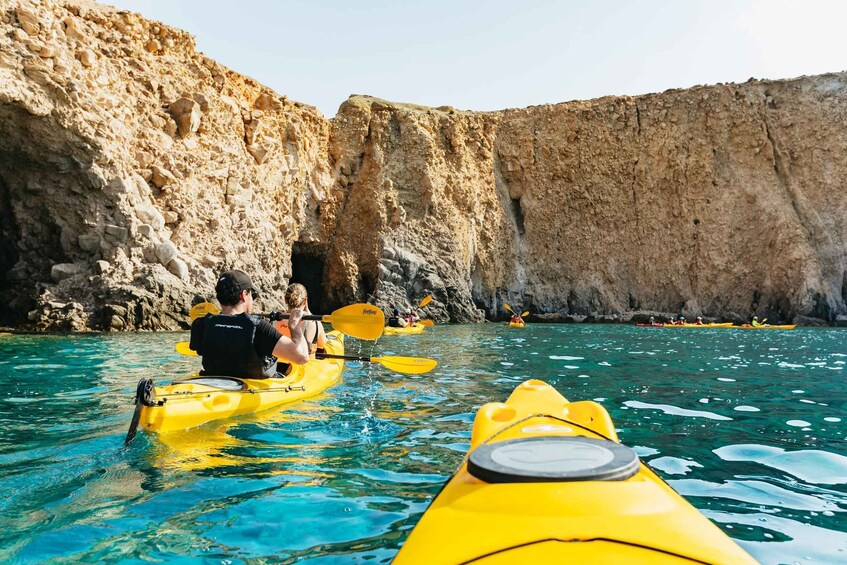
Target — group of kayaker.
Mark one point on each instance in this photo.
(697, 322)
(398, 321)
(235, 343)
(676, 322)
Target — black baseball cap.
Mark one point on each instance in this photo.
(235, 281)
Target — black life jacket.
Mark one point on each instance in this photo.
(394, 322)
(228, 348)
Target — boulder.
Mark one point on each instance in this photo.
(186, 113)
(178, 267)
(89, 242)
(165, 252)
(62, 271)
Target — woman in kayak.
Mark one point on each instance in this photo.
(297, 297)
(411, 319)
(235, 343)
(516, 319)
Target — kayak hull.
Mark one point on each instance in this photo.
(635, 519)
(720, 325)
(186, 404)
(777, 327)
(408, 330)
(516, 324)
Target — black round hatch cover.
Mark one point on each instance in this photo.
(552, 459)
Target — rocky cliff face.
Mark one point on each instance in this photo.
(133, 168)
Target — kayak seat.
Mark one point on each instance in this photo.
(223, 383)
(553, 459)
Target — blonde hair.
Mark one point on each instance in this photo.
(295, 295)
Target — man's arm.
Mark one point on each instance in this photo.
(295, 349)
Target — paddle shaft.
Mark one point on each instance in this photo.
(345, 357)
(284, 316)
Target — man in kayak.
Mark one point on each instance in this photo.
(236, 344)
(755, 323)
(699, 321)
(396, 321)
(516, 319)
(296, 296)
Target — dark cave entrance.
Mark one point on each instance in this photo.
(307, 267)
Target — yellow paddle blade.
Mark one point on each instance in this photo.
(429, 323)
(507, 307)
(425, 301)
(525, 314)
(183, 349)
(407, 365)
(200, 310)
(364, 321)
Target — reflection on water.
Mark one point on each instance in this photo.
(749, 426)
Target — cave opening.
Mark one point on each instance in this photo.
(518, 213)
(307, 266)
(8, 236)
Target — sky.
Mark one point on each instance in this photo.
(496, 54)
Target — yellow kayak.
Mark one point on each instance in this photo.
(720, 325)
(408, 330)
(766, 327)
(196, 400)
(546, 481)
(516, 324)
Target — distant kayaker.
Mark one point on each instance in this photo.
(235, 343)
(681, 321)
(755, 322)
(653, 321)
(410, 317)
(516, 319)
(396, 321)
(699, 321)
(296, 296)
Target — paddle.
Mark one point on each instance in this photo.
(200, 310)
(407, 365)
(364, 321)
(509, 308)
(426, 300)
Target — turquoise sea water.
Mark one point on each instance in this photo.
(750, 426)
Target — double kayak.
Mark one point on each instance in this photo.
(408, 330)
(195, 400)
(547, 481)
(516, 324)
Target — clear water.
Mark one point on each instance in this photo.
(748, 425)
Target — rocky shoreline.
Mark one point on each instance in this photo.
(133, 168)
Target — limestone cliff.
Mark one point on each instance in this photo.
(133, 168)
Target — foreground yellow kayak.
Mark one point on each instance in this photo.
(408, 330)
(516, 324)
(196, 400)
(546, 481)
